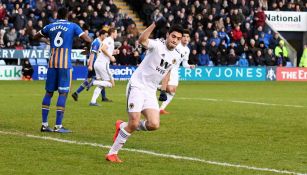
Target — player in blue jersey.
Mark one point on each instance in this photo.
(60, 34)
(96, 44)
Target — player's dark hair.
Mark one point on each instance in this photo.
(186, 31)
(111, 30)
(62, 13)
(102, 32)
(176, 28)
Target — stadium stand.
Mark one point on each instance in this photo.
(218, 26)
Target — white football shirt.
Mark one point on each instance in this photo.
(157, 63)
(109, 42)
(184, 57)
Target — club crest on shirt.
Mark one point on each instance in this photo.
(131, 105)
(174, 61)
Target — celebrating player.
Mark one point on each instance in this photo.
(104, 77)
(61, 34)
(169, 87)
(96, 44)
(161, 56)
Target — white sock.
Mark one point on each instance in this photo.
(119, 141)
(96, 94)
(142, 126)
(58, 126)
(45, 124)
(159, 87)
(170, 96)
(102, 83)
(123, 125)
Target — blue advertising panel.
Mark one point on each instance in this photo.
(223, 74)
(80, 72)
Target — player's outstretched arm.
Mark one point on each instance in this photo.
(185, 64)
(143, 39)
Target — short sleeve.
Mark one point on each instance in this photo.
(95, 46)
(77, 30)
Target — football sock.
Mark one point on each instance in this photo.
(96, 94)
(142, 126)
(45, 109)
(103, 93)
(119, 141)
(82, 86)
(170, 96)
(60, 109)
(123, 125)
(102, 83)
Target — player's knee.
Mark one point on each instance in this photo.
(153, 125)
(49, 94)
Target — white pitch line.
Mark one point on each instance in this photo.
(243, 102)
(154, 153)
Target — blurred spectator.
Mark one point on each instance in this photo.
(10, 37)
(232, 58)
(259, 59)
(2, 12)
(281, 53)
(203, 58)
(19, 19)
(212, 51)
(23, 38)
(243, 62)
(303, 62)
(135, 59)
(123, 58)
(259, 17)
(274, 41)
(193, 59)
(236, 33)
(27, 70)
(270, 58)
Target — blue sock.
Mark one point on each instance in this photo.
(103, 93)
(60, 109)
(45, 107)
(82, 86)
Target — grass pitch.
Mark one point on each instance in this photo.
(256, 124)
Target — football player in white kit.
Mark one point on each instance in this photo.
(161, 56)
(104, 77)
(169, 87)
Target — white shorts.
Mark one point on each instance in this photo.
(102, 71)
(140, 99)
(174, 78)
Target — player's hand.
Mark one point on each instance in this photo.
(90, 68)
(192, 66)
(163, 96)
(160, 22)
(112, 59)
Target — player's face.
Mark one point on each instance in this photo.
(173, 40)
(185, 39)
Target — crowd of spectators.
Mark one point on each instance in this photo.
(223, 32)
(21, 19)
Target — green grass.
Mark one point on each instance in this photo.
(261, 136)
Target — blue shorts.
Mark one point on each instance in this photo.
(58, 79)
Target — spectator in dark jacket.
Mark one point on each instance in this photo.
(193, 58)
(19, 20)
